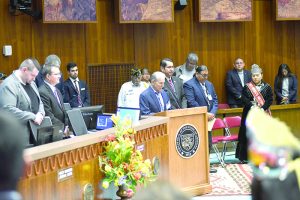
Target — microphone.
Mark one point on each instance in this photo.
(175, 99)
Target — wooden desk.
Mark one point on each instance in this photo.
(80, 155)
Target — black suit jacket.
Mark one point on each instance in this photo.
(234, 86)
(71, 93)
(52, 108)
(39, 81)
(177, 99)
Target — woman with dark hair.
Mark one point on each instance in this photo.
(285, 85)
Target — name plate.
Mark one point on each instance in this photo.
(64, 174)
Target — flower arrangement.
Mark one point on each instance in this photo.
(121, 163)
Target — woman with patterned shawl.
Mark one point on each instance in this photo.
(257, 93)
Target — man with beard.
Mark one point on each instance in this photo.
(76, 91)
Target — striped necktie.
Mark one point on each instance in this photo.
(78, 94)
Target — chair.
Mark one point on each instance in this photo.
(230, 122)
(223, 106)
(218, 125)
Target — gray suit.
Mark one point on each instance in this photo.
(177, 98)
(15, 100)
(53, 109)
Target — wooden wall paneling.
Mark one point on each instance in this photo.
(108, 41)
(15, 31)
(156, 41)
(67, 41)
(263, 41)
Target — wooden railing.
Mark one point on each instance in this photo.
(290, 114)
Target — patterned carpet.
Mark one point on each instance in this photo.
(234, 179)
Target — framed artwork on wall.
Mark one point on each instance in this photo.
(145, 11)
(69, 11)
(287, 10)
(225, 10)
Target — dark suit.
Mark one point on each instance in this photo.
(39, 81)
(71, 94)
(293, 86)
(196, 96)
(149, 103)
(234, 87)
(53, 109)
(177, 98)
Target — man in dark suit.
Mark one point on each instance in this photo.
(235, 81)
(51, 96)
(173, 85)
(50, 60)
(155, 99)
(200, 92)
(76, 91)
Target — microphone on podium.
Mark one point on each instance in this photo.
(173, 96)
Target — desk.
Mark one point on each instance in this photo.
(79, 154)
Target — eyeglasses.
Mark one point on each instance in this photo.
(238, 63)
(204, 75)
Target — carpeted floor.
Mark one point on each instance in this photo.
(234, 179)
(229, 183)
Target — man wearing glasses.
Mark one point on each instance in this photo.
(235, 81)
(186, 71)
(51, 96)
(200, 92)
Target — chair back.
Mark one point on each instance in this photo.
(223, 106)
(219, 124)
(232, 122)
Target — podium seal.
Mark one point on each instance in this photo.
(187, 141)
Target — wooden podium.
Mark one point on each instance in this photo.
(188, 172)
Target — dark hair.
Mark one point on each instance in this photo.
(279, 73)
(282, 67)
(201, 68)
(163, 62)
(12, 144)
(70, 65)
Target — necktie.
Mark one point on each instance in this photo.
(172, 85)
(206, 94)
(56, 95)
(78, 94)
(160, 102)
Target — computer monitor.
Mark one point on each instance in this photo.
(90, 114)
(44, 135)
(34, 127)
(76, 121)
(48, 134)
(133, 114)
(104, 122)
